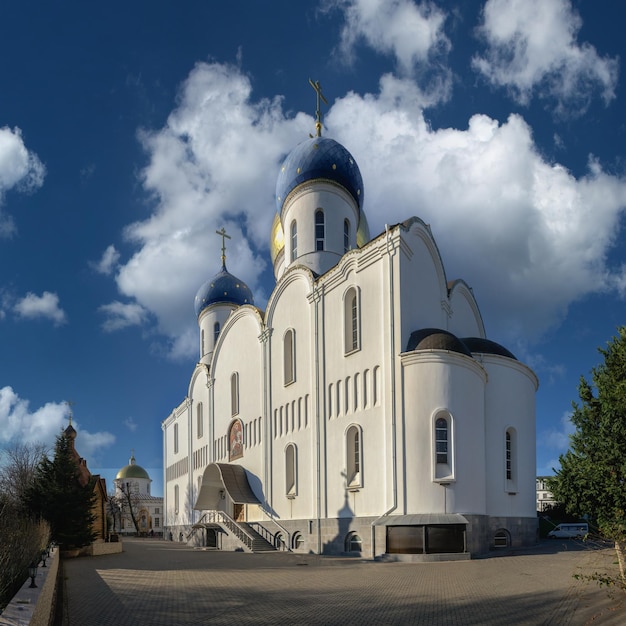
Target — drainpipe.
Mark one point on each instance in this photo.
(392, 346)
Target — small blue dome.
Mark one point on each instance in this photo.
(319, 157)
(223, 287)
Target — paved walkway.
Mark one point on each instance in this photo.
(159, 583)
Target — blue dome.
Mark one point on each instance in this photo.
(223, 287)
(319, 157)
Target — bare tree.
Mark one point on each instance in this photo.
(129, 502)
(18, 463)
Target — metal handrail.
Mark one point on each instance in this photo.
(223, 518)
(271, 537)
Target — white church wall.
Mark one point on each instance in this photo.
(422, 281)
(239, 353)
(510, 405)
(465, 320)
(301, 206)
(439, 383)
(292, 402)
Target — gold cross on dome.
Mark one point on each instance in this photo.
(318, 113)
(224, 236)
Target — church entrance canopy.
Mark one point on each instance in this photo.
(219, 479)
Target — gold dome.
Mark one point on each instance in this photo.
(277, 238)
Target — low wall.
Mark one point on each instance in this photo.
(97, 549)
(35, 606)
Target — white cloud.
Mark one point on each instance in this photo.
(19, 424)
(533, 49)
(413, 33)
(526, 234)
(214, 164)
(19, 168)
(121, 315)
(131, 424)
(32, 306)
(108, 262)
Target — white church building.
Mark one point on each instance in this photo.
(364, 410)
(132, 490)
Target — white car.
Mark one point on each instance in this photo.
(569, 531)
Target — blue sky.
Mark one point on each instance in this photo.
(130, 132)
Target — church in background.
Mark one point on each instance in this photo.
(364, 411)
(84, 477)
(148, 509)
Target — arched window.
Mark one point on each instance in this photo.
(353, 457)
(346, 236)
(216, 331)
(509, 456)
(443, 447)
(351, 320)
(441, 440)
(320, 230)
(353, 543)
(199, 418)
(176, 500)
(502, 538)
(291, 473)
(175, 438)
(297, 541)
(234, 393)
(289, 356)
(294, 241)
(510, 460)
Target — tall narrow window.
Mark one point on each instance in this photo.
(234, 393)
(175, 438)
(346, 236)
(509, 456)
(351, 320)
(441, 440)
(199, 418)
(290, 470)
(294, 241)
(289, 348)
(216, 331)
(320, 230)
(353, 457)
(510, 468)
(176, 500)
(202, 344)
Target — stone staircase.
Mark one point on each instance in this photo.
(259, 544)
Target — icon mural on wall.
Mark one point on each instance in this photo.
(235, 439)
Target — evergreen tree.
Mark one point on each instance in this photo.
(592, 477)
(58, 497)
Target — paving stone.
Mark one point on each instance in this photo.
(160, 583)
